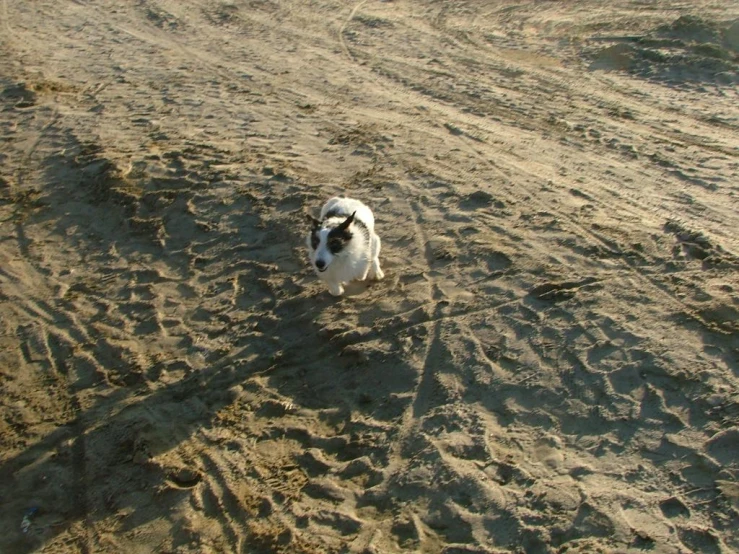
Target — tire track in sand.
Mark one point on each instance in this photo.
(452, 114)
(343, 27)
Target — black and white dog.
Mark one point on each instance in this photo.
(343, 244)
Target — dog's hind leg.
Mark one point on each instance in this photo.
(375, 272)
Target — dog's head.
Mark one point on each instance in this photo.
(328, 239)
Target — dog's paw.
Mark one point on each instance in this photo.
(337, 290)
(375, 273)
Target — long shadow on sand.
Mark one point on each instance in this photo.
(109, 462)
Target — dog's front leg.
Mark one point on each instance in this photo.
(335, 288)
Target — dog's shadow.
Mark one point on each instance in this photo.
(357, 288)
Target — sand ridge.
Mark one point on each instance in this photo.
(550, 364)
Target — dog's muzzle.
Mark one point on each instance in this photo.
(320, 265)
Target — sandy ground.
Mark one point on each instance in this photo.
(550, 365)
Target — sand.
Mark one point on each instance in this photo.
(551, 364)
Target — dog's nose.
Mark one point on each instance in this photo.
(320, 264)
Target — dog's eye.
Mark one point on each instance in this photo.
(314, 241)
(335, 245)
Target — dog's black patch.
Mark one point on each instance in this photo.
(338, 239)
(358, 222)
(339, 236)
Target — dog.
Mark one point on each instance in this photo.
(343, 245)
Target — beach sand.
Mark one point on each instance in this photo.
(550, 365)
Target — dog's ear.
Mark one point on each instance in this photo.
(313, 221)
(348, 221)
